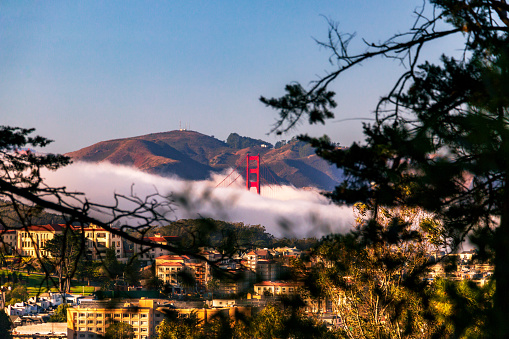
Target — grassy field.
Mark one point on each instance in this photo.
(35, 284)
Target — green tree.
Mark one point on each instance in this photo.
(113, 269)
(153, 282)
(5, 325)
(269, 323)
(236, 141)
(65, 252)
(212, 286)
(88, 270)
(375, 284)
(440, 138)
(275, 322)
(18, 293)
(60, 314)
(119, 330)
(461, 308)
(132, 272)
(175, 327)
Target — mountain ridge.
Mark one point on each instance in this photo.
(194, 156)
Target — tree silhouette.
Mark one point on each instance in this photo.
(440, 137)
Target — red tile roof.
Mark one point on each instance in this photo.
(171, 257)
(279, 283)
(45, 228)
(171, 264)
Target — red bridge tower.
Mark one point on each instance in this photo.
(253, 172)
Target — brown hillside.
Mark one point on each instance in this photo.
(192, 155)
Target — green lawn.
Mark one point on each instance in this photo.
(36, 284)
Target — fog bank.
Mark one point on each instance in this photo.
(286, 211)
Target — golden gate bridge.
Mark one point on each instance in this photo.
(256, 174)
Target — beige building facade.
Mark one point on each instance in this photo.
(91, 319)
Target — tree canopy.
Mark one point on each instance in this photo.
(440, 137)
(236, 141)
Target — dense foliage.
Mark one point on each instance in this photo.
(271, 322)
(239, 142)
(60, 314)
(226, 236)
(36, 215)
(119, 330)
(440, 138)
(15, 293)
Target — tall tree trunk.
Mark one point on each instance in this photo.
(501, 302)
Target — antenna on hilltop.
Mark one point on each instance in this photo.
(187, 126)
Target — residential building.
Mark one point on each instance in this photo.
(91, 319)
(31, 239)
(169, 267)
(277, 287)
(253, 257)
(99, 240)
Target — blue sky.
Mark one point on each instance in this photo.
(85, 71)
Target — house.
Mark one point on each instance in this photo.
(22, 309)
(277, 287)
(170, 267)
(252, 258)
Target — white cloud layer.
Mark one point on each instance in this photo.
(285, 211)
